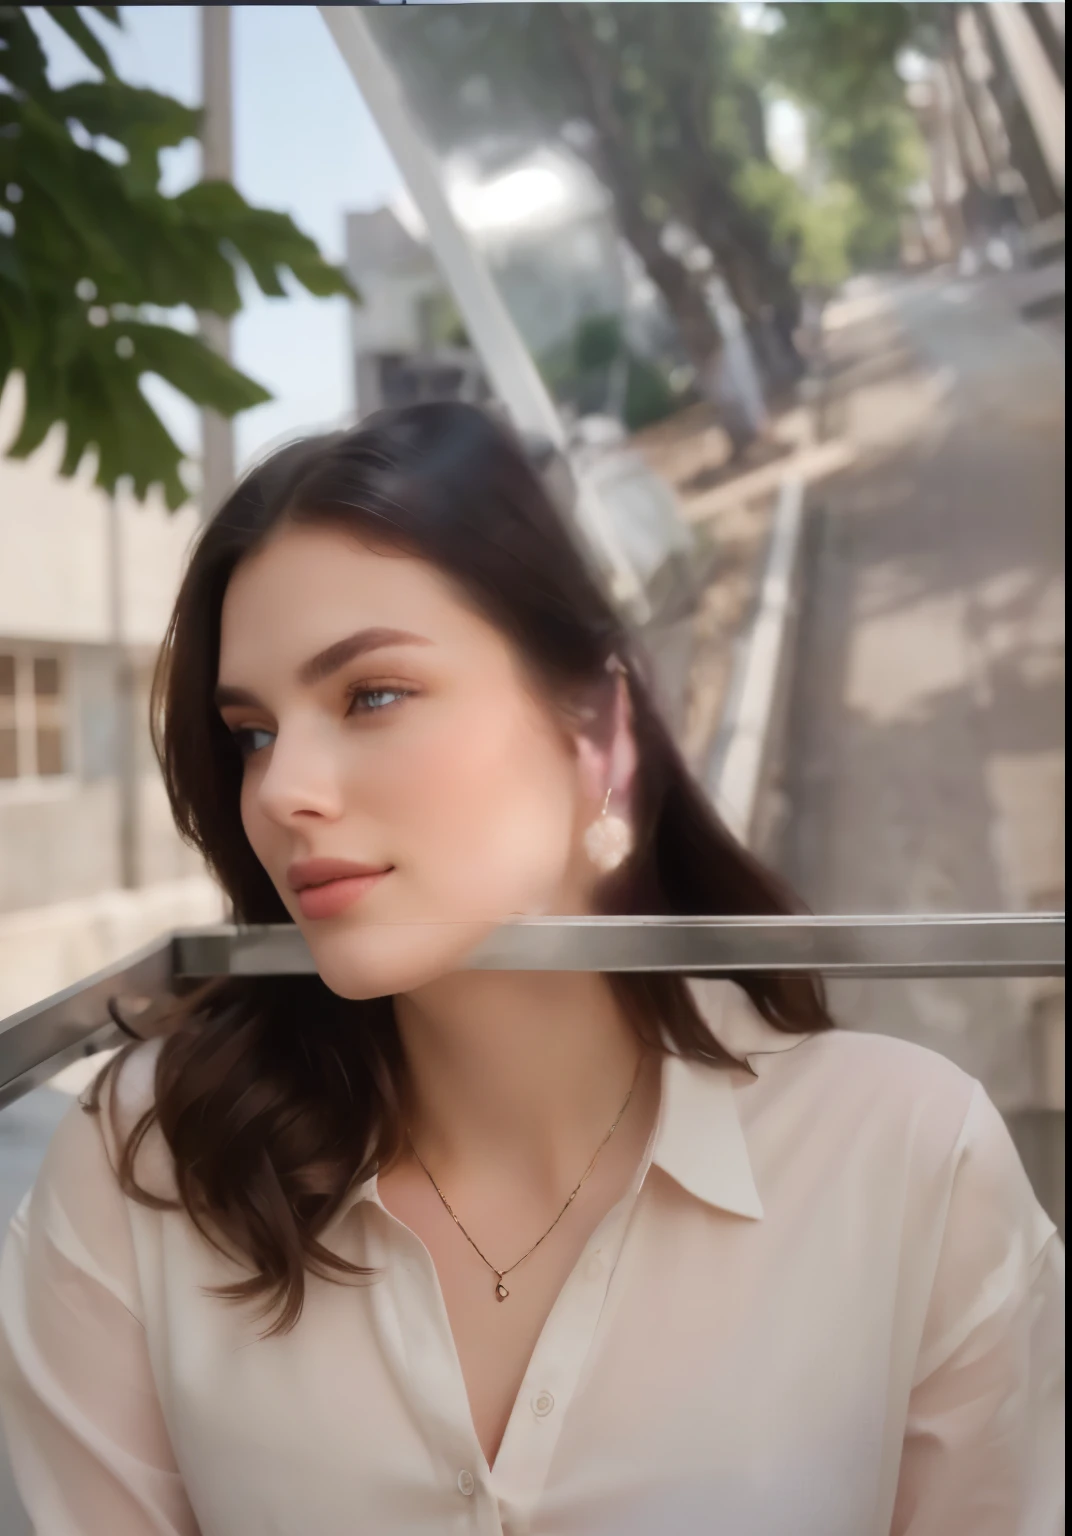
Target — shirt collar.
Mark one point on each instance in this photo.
(738, 1028)
(699, 1139)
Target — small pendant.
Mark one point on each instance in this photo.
(500, 1290)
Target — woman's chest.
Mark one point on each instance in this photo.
(497, 1298)
(682, 1375)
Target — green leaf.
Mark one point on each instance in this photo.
(10, 265)
(134, 441)
(135, 117)
(192, 367)
(83, 216)
(22, 58)
(7, 347)
(264, 239)
(42, 408)
(84, 38)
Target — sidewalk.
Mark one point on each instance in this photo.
(731, 510)
(926, 749)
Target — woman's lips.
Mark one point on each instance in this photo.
(320, 901)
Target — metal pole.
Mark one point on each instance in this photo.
(38, 1040)
(510, 368)
(124, 685)
(217, 164)
(927, 944)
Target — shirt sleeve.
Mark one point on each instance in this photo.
(85, 1431)
(984, 1444)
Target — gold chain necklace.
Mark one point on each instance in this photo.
(501, 1291)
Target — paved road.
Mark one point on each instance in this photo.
(926, 743)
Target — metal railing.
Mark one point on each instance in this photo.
(40, 1040)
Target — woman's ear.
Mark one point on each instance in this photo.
(592, 766)
(622, 764)
(612, 766)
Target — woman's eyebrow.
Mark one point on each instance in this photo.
(327, 661)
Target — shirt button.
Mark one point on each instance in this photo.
(542, 1404)
(466, 1483)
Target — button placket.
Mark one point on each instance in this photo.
(424, 1350)
(531, 1435)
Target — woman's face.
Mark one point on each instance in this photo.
(387, 726)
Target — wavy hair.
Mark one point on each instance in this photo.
(276, 1096)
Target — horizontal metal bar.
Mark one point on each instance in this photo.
(40, 1040)
(979, 944)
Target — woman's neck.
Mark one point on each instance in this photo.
(528, 1070)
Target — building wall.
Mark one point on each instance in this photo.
(63, 843)
(44, 949)
(389, 319)
(61, 545)
(55, 568)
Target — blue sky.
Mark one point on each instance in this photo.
(304, 143)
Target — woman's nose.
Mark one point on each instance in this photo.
(302, 779)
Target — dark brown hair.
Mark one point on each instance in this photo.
(274, 1096)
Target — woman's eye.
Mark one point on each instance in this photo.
(251, 740)
(363, 701)
(374, 700)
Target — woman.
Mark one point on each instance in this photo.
(559, 1254)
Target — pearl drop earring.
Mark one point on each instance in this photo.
(608, 842)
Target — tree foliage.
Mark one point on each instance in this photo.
(839, 56)
(96, 261)
(586, 369)
(840, 62)
(663, 100)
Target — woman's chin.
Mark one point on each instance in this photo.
(391, 958)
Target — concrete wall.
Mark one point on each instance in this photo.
(59, 837)
(55, 580)
(65, 845)
(389, 321)
(46, 949)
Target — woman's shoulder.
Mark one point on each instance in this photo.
(73, 1228)
(892, 1115)
(901, 1067)
(874, 1089)
(87, 1145)
(134, 1081)
(837, 1065)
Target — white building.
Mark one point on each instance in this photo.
(546, 229)
(88, 871)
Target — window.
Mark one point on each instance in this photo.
(33, 716)
(9, 757)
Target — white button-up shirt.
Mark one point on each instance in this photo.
(830, 1305)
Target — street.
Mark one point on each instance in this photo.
(925, 759)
